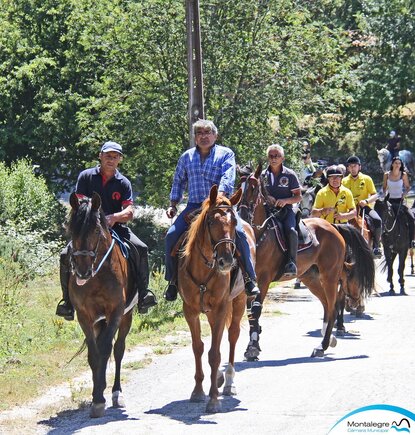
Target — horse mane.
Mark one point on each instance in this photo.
(196, 230)
(83, 220)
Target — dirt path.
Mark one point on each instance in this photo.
(286, 392)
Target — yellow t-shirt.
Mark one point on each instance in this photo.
(343, 201)
(362, 187)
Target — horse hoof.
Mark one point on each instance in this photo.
(251, 354)
(297, 285)
(340, 332)
(220, 379)
(213, 406)
(198, 397)
(392, 292)
(118, 399)
(333, 341)
(317, 353)
(229, 390)
(97, 410)
(403, 292)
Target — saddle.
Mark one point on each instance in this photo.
(305, 237)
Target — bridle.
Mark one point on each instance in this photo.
(212, 264)
(90, 253)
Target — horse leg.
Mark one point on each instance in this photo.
(401, 269)
(238, 309)
(325, 289)
(216, 319)
(119, 349)
(340, 304)
(411, 254)
(254, 310)
(193, 320)
(104, 345)
(390, 258)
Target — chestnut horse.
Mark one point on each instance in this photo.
(320, 266)
(204, 282)
(98, 289)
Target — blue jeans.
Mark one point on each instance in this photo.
(180, 226)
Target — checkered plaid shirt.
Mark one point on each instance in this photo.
(218, 168)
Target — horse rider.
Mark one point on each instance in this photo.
(396, 185)
(334, 202)
(284, 190)
(117, 203)
(394, 144)
(198, 169)
(364, 194)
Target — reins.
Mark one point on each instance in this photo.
(210, 264)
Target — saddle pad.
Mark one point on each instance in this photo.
(305, 238)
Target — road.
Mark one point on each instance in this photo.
(286, 391)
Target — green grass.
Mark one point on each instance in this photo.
(42, 344)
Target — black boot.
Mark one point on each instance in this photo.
(171, 292)
(65, 308)
(376, 242)
(146, 300)
(251, 288)
(290, 269)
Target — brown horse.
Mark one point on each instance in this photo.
(204, 281)
(320, 266)
(98, 288)
(360, 223)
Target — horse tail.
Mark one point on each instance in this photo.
(361, 256)
(78, 352)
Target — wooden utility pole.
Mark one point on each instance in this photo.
(194, 66)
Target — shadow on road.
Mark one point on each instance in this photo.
(71, 421)
(190, 413)
(246, 365)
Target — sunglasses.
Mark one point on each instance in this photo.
(274, 156)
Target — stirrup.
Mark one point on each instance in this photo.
(171, 292)
(65, 310)
(290, 270)
(251, 288)
(148, 301)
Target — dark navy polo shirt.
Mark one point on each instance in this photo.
(282, 185)
(115, 192)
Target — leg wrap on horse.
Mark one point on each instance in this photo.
(254, 308)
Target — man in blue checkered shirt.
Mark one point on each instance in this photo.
(198, 169)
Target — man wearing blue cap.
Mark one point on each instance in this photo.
(117, 203)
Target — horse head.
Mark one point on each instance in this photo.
(87, 228)
(385, 159)
(252, 194)
(307, 201)
(350, 285)
(215, 230)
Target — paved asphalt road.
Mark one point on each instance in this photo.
(286, 391)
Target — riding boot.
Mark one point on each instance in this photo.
(171, 291)
(290, 269)
(376, 242)
(146, 298)
(65, 307)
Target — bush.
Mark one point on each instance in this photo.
(26, 202)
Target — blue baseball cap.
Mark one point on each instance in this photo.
(111, 146)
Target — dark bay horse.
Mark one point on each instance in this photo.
(98, 288)
(204, 281)
(395, 240)
(320, 266)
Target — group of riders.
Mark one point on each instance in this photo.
(208, 164)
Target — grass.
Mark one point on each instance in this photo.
(46, 343)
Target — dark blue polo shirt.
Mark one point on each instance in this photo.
(281, 186)
(115, 192)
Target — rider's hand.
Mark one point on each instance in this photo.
(171, 211)
(363, 203)
(280, 202)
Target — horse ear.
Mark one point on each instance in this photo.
(74, 201)
(258, 170)
(96, 201)
(236, 197)
(348, 267)
(213, 194)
